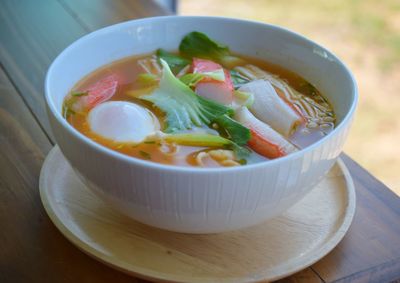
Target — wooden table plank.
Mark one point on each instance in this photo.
(28, 43)
(387, 272)
(95, 14)
(32, 33)
(305, 276)
(87, 12)
(366, 250)
(31, 248)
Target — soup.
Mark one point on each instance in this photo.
(201, 106)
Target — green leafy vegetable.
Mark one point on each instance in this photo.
(185, 109)
(237, 79)
(241, 152)
(194, 139)
(175, 62)
(136, 93)
(81, 93)
(145, 154)
(244, 98)
(234, 130)
(191, 79)
(217, 75)
(146, 79)
(67, 106)
(197, 44)
(208, 140)
(182, 106)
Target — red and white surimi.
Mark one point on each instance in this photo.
(97, 93)
(101, 91)
(264, 140)
(220, 91)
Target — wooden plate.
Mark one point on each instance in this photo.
(272, 250)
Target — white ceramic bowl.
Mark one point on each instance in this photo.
(200, 200)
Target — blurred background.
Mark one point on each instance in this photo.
(365, 34)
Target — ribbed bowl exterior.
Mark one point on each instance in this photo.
(195, 200)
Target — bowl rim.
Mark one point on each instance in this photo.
(175, 168)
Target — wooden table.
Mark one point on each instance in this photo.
(32, 33)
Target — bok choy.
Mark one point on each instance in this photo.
(197, 44)
(175, 62)
(185, 109)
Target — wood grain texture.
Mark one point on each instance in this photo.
(271, 250)
(31, 248)
(95, 14)
(371, 249)
(32, 33)
(386, 272)
(305, 276)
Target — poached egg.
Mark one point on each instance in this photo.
(122, 121)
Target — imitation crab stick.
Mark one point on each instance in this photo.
(211, 87)
(270, 108)
(264, 140)
(101, 91)
(95, 94)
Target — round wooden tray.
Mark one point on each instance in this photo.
(272, 250)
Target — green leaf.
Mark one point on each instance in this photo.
(208, 140)
(67, 106)
(217, 75)
(241, 152)
(146, 79)
(182, 106)
(184, 109)
(191, 79)
(197, 44)
(193, 139)
(137, 93)
(175, 62)
(81, 93)
(235, 131)
(244, 98)
(237, 79)
(213, 109)
(145, 154)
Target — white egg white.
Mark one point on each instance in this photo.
(122, 121)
